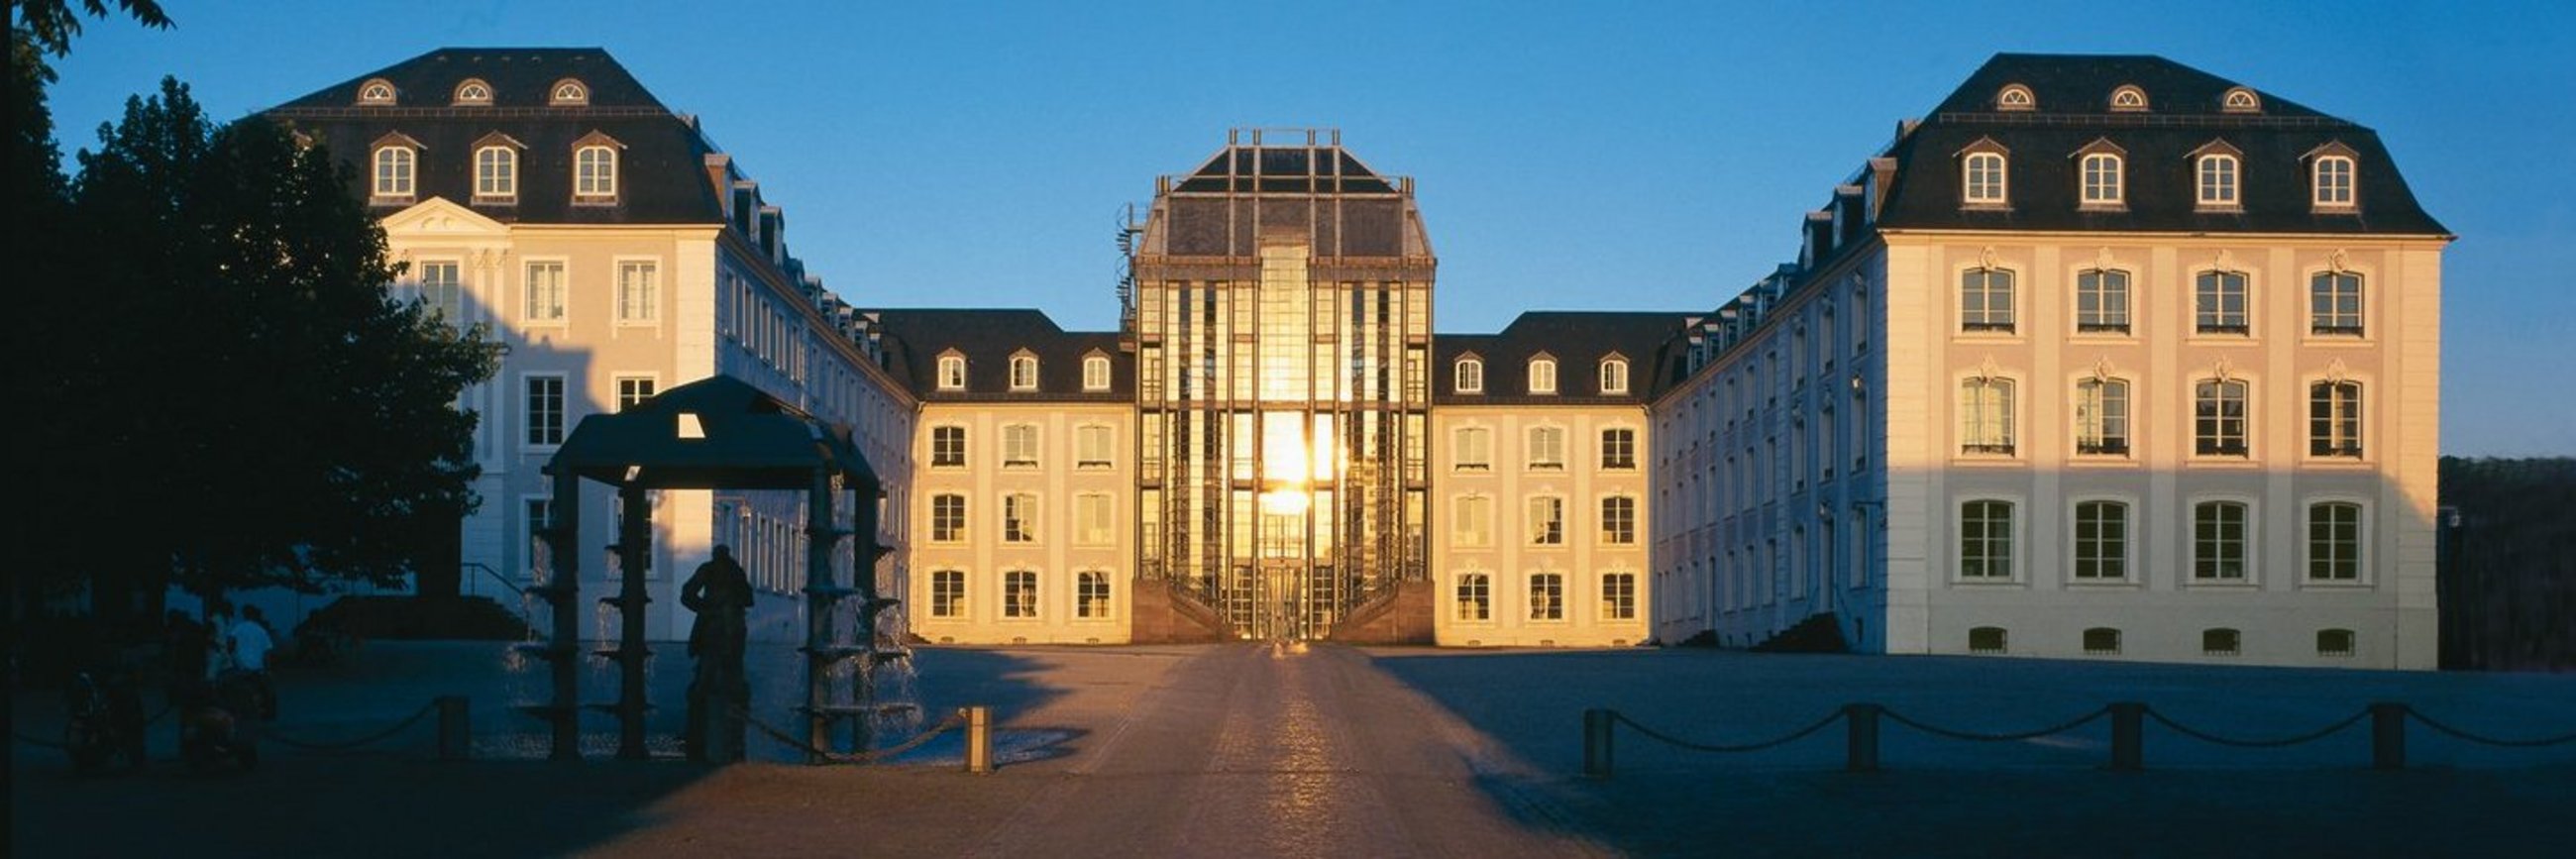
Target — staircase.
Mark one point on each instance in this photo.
(1818, 633)
(421, 617)
(1170, 615)
(1398, 614)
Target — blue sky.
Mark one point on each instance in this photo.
(1630, 156)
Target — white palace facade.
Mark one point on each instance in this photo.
(2106, 358)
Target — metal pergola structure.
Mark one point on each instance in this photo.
(716, 433)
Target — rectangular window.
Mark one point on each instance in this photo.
(639, 292)
(1986, 300)
(2102, 301)
(2218, 418)
(1091, 596)
(1019, 594)
(545, 410)
(1472, 519)
(952, 373)
(1985, 540)
(441, 291)
(1614, 377)
(2218, 303)
(2102, 417)
(1984, 179)
(545, 289)
(2334, 419)
(947, 594)
(1093, 518)
(496, 173)
(632, 390)
(2334, 304)
(1020, 446)
(1547, 596)
(394, 172)
(948, 447)
(2218, 181)
(595, 172)
(1619, 448)
(1986, 416)
(1618, 596)
(1619, 520)
(1092, 446)
(1475, 448)
(2334, 542)
(1019, 518)
(1475, 597)
(2101, 180)
(2101, 541)
(947, 518)
(2334, 182)
(1547, 448)
(1542, 376)
(2218, 541)
(1546, 521)
(1095, 374)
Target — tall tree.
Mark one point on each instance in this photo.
(254, 408)
(51, 24)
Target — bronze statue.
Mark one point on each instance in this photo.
(720, 593)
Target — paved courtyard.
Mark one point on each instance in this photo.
(1263, 750)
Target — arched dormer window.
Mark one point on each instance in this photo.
(594, 168)
(376, 92)
(2102, 171)
(1542, 375)
(1095, 372)
(952, 372)
(568, 92)
(2015, 97)
(394, 169)
(1614, 375)
(1024, 372)
(2332, 184)
(2218, 177)
(1982, 178)
(1471, 375)
(473, 92)
(2240, 100)
(496, 168)
(2128, 99)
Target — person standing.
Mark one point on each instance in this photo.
(720, 593)
(251, 643)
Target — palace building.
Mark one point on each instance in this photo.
(2105, 358)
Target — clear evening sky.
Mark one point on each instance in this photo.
(1576, 156)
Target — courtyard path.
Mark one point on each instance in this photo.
(1286, 750)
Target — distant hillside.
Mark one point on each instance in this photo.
(2508, 560)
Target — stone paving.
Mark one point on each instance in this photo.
(1262, 750)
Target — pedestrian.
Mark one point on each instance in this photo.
(251, 643)
(720, 593)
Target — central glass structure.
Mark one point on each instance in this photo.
(1278, 301)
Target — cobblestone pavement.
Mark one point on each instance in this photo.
(1279, 750)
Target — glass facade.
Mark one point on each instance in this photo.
(1282, 321)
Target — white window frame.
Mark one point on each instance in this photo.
(1095, 519)
(1095, 446)
(2359, 547)
(1470, 378)
(2334, 182)
(948, 458)
(1020, 444)
(638, 291)
(546, 301)
(473, 91)
(2103, 288)
(1986, 415)
(496, 174)
(1543, 520)
(397, 172)
(2250, 531)
(2010, 553)
(949, 523)
(378, 92)
(1614, 375)
(1546, 447)
(2336, 302)
(2104, 180)
(539, 435)
(2105, 416)
(1020, 512)
(1473, 589)
(2345, 425)
(952, 373)
(1471, 521)
(567, 92)
(2210, 291)
(1472, 448)
(1627, 447)
(1024, 372)
(1619, 603)
(2210, 433)
(1997, 294)
(1095, 373)
(2219, 181)
(952, 605)
(1542, 375)
(1094, 596)
(1984, 179)
(1547, 597)
(2123, 550)
(1612, 528)
(1020, 595)
(446, 296)
(594, 173)
(634, 388)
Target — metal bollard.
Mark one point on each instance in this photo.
(1598, 726)
(455, 728)
(2128, 736)
(979, 739)
(1862, 753)
(2388, 736)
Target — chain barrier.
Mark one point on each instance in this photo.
(2488, 741)
(1668, 739)
(871, 755)
(1972, 736)
(2318, 734)
(344, 745)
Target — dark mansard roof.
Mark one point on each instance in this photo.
(1578, 340)
(916, 338)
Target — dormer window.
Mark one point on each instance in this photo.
(1981, 175)
(1471, 375)
(496, 169)
(376, 93)
(2015, 97)
(473, 92)
(2218, 181)
(2129, 99)
(394, 169)
(1024, 372)
(2103, 175)
(2331, 178)
(952, 372)
(1095, 373)
(594, 168)
(1542, 375)
(2240, 100)
(1614, 375)
(568, 92)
